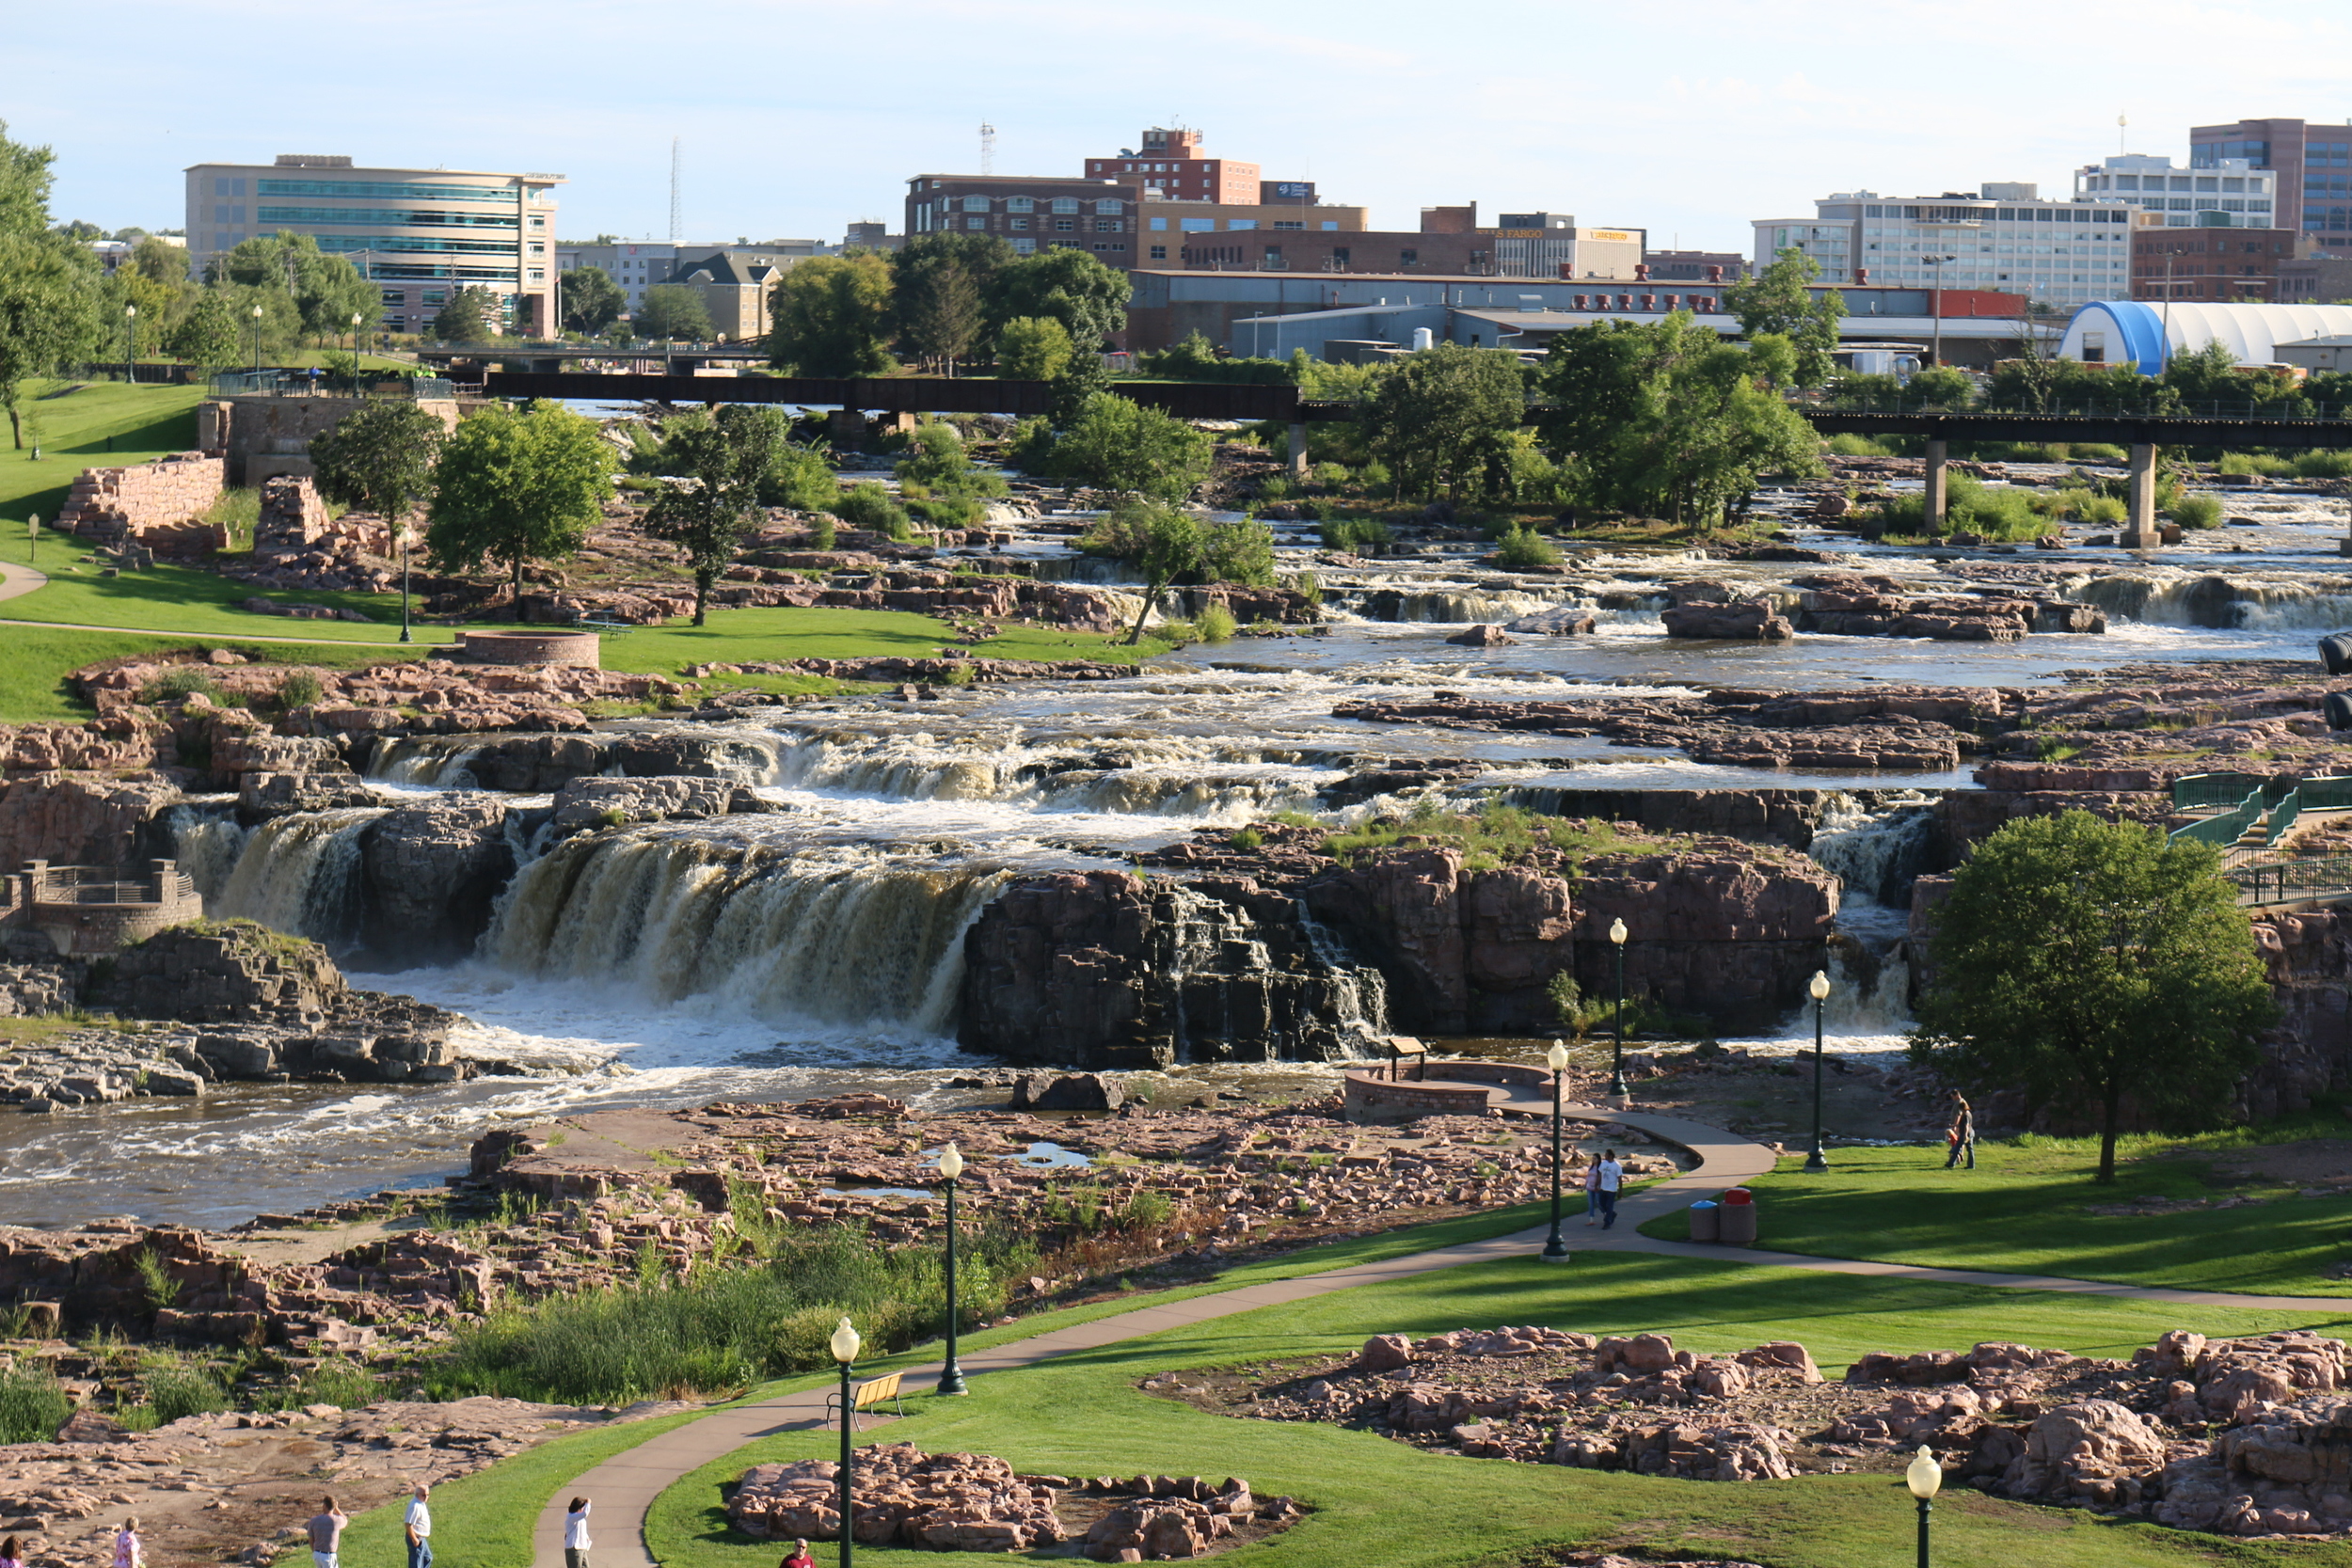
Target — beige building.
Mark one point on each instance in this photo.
(420, 234)
(733, 283)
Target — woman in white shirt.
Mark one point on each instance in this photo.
(576, 1534)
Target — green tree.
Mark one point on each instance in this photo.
(380, 458)
(1665, 420)
(208, 334)
(1163, 542)
(1088, 297)
(2090, 962)
(1081, 381)
(831, 317)
(1032, 348)
(673, 311)
(938, 284)
(1445, 420)
(1776, 300)
(592, 301)
(51, 296)
(327, 291)
(515, 487)
(1116, 444)
(937, 462)
(714, 468)
(25, 180)
(472, 316)
(1238, 551)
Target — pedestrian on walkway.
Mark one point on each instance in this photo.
(1962, 1134)
(800, 1557)
(1592, 1190)
(12, 1555)
(575, 1542)
(1607, 1178)
(326, 1533)
(419, 1527)
(128, 1552)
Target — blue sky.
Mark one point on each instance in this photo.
(797, 118)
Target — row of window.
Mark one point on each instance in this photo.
(1030, 204)
(2180, 182)
(345, 245)
(425, 297)
(428, 218)
(1061, 226)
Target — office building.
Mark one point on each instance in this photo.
(2005, 236)
(2227, 193)
(1695, 267)
(420, 234)
(1169, 164)
(635, 265)
(2312, 163)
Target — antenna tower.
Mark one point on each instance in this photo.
(676, 228)
(988, 148)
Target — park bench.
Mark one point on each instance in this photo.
(865, 1396)
(601, 623)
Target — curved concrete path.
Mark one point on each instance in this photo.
(16, 581)
(624, 1488)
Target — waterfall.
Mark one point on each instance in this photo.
(2218, 603)
(831, 934)
(300, 874)
(427, 761)
(206, 841)
(1876, 850)
(1361, 991)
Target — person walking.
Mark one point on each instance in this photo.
(11, 1554)
(1962, 1134)
(1592, 1190)
(1607, 1178)
(800, 1557)
(129, 1553)
(575, 1542)
(419, 1527)
(326, 1533)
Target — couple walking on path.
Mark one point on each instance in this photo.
(1602, 1179)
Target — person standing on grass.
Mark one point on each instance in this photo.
(420, 1528)
(1592, 1191)
(1607, 1178)
(575, 1542)
(800, 1557)
(326, 1533)
(128, 1552)
(1962, 1134)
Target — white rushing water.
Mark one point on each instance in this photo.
(300, 874)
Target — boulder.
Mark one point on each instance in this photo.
(1384, 1353)
(2096, 1451)
(1740, 620)
(1070, 1091)
(1482, 637)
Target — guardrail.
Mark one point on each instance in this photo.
(2226, 829)
(2292, 882)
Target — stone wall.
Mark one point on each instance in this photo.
(157, 504)
(293, 521)
(260, 436)
(83, 822)
(579, 649)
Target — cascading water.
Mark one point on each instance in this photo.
(425, 761)
(300, 874)
(830, 934)
(1232, 985)
(1876, 850)
(2217, 602)
(207, 842)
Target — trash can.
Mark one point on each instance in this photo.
(1704, 1220)
(1735, 1224)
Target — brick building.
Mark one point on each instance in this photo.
(2313, 163)
(1695, 267)
(2212, 264)
(2317, 279)
(1170, 166)
(1033, 214)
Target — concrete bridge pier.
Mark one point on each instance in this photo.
(1939, 453)
(2139, 530)
(1298, 449)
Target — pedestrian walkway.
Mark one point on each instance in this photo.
(624, 1488)
(16, 581)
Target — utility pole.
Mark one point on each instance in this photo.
(676, 228)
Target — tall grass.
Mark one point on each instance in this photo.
(32, 1406)
(2198, 512)
(722, 1327)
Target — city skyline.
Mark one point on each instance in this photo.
(1691, 131)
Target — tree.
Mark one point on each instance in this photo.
(1776, 300)
(1162, 542)
(592, 301)
(1666, 420)
(208, 333)
(714, 468)
(673, 311)
(1081, 381)
(1032, 348)
(1116, 444)
(327, 291)
(379, 458)
(1444, 418)
(470, 317)
(517, 486)
(831, 317)
(51, 296)
(1088, 297)
(2088, 961)
(937, 283)
(1238, 551)
(25, 180)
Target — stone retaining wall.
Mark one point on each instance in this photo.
(158, 504)
(579, 649)
(1373, 1095)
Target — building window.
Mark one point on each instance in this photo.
(1281, 225)
(1332, 224)
(1197, 226)
(975, 204)
(1063, 226)
(538, 275)
(1016, 223)
(1159, 253)
(1065, 204)
(539, 222)
(1242, 222)
(1408, 258)
(976, 223)
(1024, 247)
(1110, 206)
(1109, 225)
(1159, 226)
(1338, 256)
(1019, 204)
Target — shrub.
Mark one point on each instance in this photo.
(1524, 547)
(340, 1381)
(1274, 487)
(300, 688)
(177, 1388)
(1331, 475)
(1305, 585)
(868, 506)
(237, 513)
(2253, 463)
(188, 680)
(32, 1406)
(2104, 508)
(1857, 445)
(1216, 624)
(2198, 512)
(821, 531)
(2324, 464)
(1356, 535)
(1375, 476)
(155, 1283)
(800, 478)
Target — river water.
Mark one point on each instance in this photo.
(818, 949)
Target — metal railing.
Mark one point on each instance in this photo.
(2226, 829)
(2212, 791)
(2282, 817)
(2292, 882)
(299, 383)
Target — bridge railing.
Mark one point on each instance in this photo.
(2213, 791)
(2292, 882)
(2226, 829)
(2290, 408)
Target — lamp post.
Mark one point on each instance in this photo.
(32, 540)
(257, 339)
(130, 351)
(845, 1346)
(951, 1375)
(1935, 304)
(404, 635)
(1556, 1250)
(1818, 986)
(1616, 1056)
(1925, 1478)
(355, 348)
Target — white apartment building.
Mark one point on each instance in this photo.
(420, 234)
(2005, 236)
(2230, 192)
(636, 266)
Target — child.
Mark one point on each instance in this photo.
(128, 1553)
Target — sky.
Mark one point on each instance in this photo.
(795, 118)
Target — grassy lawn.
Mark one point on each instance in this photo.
(74, 432)
(2025, 1209)
(1380, 1502)
(34, 663)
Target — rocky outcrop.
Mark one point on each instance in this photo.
(587, 803)
(1463, 950)
(1727, 933)
(78, 820)
(432, 871)
(1712, 611)
(898, 670)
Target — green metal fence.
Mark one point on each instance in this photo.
(2209, 791)
(2282, 817)
(2227, 828)
(2292, 882)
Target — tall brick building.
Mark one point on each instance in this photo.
(2313, 163)
(1170, 164)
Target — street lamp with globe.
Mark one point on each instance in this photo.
(951, 1375)
(1925, 1478)
(844, 1346)
(257, 339)
(1616, 1056)
(130, 351)
(1556, 1250)
(1819, 989)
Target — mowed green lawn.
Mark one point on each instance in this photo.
(2026, 1209)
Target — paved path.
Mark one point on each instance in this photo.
(16, 581)
(624, 1488)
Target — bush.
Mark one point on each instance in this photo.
(2324, 464)
(188, 680)
(340, 1381)
(821, 531)
(177, 1388)
(236, 512)
(1329, 475)
(800, 478)
(300, 688)
(1375, 476)
(868, 506)
(1274, 487)
(32, 1406)
(1217, 624)
(1524, 547)
(1356, 535)
(2253, 463)
(1305, 585)
(1857, 445)
(2104, 508)
(2198, 512)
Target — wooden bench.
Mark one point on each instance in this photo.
(1403, 1049)
(865, 1396)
